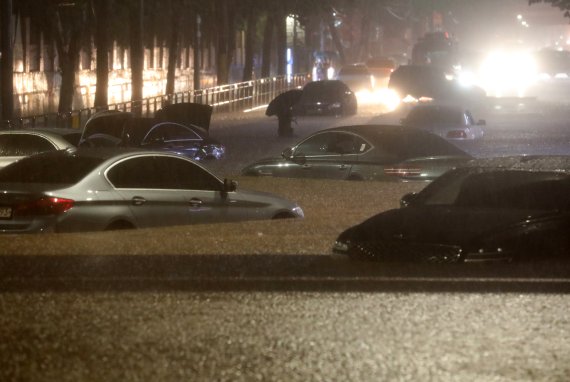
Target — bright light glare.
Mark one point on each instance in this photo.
(388, 98)
(466, 78)
(508, 73)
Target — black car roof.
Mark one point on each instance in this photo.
(558, 163)
(372, 131)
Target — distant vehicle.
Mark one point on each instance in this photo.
(553, 64)
(328, 97)
(357, 77)
(17, 144)
(120, 129)
(364, 152)
(427, 81)
(104, 189)
(381, 68)
(497, 209)
(448, 121)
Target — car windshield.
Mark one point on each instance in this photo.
(500, 189)
(52, 169)
(417, 145)
(435, 115)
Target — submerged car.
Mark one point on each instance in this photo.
(17, 144)
(497, 209)
(364, 152)
(102, 189)
(451, 122)
(357, 77)
(165, 132)
(326, 97)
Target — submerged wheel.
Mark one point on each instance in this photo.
(119, 225)
(283, 215)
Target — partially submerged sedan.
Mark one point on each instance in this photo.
(98, 189)
(505, 209)
(168, 131)
(364, 152)
(451, 122)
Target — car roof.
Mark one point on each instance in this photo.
(64, 137)
(105, 153)
(369, 130)
(556, 163)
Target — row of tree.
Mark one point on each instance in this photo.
(72, 25)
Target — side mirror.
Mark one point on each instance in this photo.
(287, 153)
(481, 122)
(408, 199)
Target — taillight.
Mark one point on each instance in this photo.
(44, 206)
(403, 171)
(457, 134)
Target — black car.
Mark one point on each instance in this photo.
(327, 97)
(173, 132)
(515, 208)
(364, 152)
(428, 81)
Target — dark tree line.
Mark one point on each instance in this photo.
(70, 26)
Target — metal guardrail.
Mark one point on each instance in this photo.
(225, 98)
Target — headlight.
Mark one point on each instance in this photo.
(298, 211)
(340, 247)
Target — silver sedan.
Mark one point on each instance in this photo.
(451, 122)
(98, 189)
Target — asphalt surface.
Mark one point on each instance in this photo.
(267, 301)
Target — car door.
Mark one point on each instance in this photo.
(149, 192)
(204, 201)
(321, 156)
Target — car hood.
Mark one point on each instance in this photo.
(438, 225)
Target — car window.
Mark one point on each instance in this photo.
(431, 115)
(332, 143)
(48, 169)
(416, 145)
(24, 145)
(500, 189)
(161, 172)
(183, 174)
(138, 172)
(170, 132)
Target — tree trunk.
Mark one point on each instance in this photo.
(222, 43)
(250, 42)
(281, 44)
(7, 63)
(266, 48)
(68, 52)
(197, 51)
(68, 65)
(137, 56)
(336, 39)
(102, 44)
(173, 46)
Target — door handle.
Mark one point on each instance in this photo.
(342, 167)
(306, 167)
(138, 201)
(195, 202)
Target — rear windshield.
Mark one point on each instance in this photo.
(428, 115)
(407, 146)
(42, 169)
